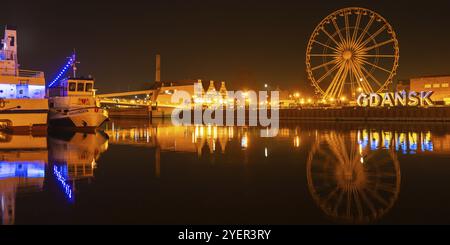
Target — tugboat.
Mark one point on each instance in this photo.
(23, 106)
(72, 103)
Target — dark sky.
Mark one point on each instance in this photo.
(246, 43)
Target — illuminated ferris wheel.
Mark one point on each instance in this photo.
(352, 50)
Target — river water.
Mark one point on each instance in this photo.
(142, 172)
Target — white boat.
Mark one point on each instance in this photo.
(23, 106)
(72, 104)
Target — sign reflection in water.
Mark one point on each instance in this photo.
(404, 142)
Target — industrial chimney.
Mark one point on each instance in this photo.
(158, 68)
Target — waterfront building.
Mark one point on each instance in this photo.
(439, 84)
(167, 89)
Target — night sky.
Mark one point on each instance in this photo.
(246, 43)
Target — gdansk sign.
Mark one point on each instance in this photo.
(402, 98)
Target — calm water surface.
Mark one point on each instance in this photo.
(138, 172)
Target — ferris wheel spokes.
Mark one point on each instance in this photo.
(359, 52)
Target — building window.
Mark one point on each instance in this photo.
(436, 85)
(444, 85)
(72, 86)
(427, 85)
(80, 87)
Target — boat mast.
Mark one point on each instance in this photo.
(74, 63)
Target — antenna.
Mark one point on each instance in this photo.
(74, 63)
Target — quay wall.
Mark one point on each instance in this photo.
(438, 114)
(369, 114)
(132, 113)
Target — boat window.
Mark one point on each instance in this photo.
(22, 91)
(88, 87)
(72, 86)
(11, 43)
(80, 87)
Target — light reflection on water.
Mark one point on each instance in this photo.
(28, 161)
(352, 173)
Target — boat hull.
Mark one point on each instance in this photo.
(80, 118)
(24, 115)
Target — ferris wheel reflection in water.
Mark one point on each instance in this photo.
(350, 182)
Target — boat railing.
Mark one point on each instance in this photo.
(7, 55)
(29, 73)
(21, 73)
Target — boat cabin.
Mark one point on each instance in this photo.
(16, 83)
(73, 87)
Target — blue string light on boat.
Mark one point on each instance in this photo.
(63, 71)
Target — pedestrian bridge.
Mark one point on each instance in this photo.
(129, 98)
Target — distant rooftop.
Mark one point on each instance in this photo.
(431, 76)
(205, 83)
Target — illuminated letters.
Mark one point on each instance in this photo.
(413, 100)
(395, 99)
(374, 99)
(387, 100)
(425, 98)
(362, 100)
(400, 98)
